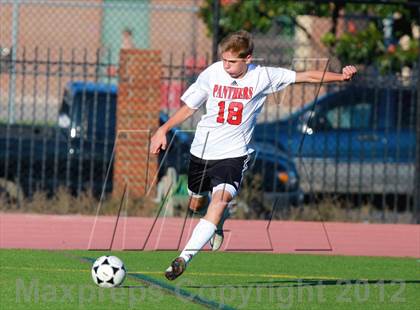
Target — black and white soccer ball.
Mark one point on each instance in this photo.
(108, 271)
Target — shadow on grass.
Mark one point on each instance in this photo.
(308, 282)
(132, 286)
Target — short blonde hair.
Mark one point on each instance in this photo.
(239, 42)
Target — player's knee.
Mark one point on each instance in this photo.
(224, 192)
(220, 203)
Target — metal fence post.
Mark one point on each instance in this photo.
(417, 175)
(12, 82)
(216, 19)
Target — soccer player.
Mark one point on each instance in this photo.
(234, 91)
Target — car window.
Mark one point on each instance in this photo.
(355, 116)
(97, 116)
(367, 108)
(387, 109)
(396, 109)
(407, 110)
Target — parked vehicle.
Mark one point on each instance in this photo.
(279, 177)
(354, 140)
(76, 152)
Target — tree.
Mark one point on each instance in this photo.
(258, 15)
(387, 43)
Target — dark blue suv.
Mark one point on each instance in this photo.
(355, 139)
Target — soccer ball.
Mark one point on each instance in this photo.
(108, 271)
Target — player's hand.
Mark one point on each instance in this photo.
(158, 142)
(348, 72)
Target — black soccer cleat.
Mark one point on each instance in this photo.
(176, 268)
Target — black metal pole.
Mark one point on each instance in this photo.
(216, 18)
(417, 175)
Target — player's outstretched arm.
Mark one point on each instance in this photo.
(158, 141)
(317, 76)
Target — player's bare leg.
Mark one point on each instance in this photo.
(219, 201)
(199, 205)
(217, 240)
(202, 233)
(220, 213)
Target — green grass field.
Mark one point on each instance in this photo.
(61, 280)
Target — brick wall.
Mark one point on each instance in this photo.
(137, 115)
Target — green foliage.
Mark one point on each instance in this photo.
(375, 9)
(364, 46)
(397, 57)
(368, 46)
(257, 15)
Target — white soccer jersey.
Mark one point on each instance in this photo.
(232, 107)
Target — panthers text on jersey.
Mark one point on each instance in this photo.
(232, 107)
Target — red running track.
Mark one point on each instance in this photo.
(83, 232)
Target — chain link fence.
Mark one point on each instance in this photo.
(357, 144)
(85, 38)
(92, 25)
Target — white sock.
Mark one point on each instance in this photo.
(200, 236)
